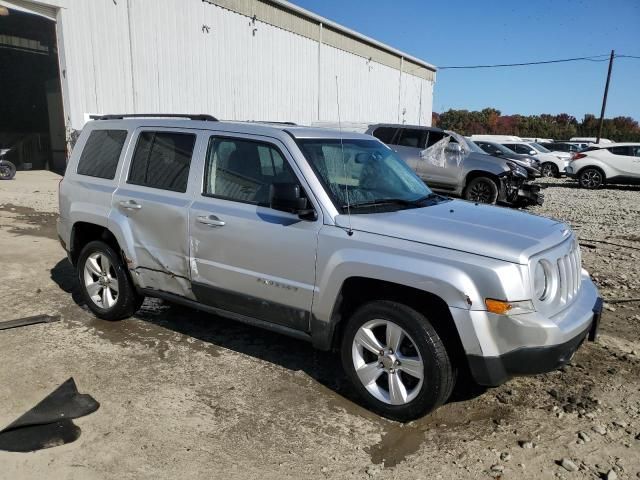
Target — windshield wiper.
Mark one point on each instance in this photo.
(393, 201)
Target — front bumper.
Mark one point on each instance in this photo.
(493, 371)
(530, 194)
(499, 347)
(570, 172)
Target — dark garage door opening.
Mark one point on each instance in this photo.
(31, 114)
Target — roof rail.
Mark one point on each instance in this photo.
(201, 116)
(272, 122)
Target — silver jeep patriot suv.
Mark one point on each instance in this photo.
(326, 237)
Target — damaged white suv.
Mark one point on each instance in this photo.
(326, 237)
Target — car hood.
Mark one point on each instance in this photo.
(486, 230)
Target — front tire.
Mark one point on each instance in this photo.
(7, 170)
(396, 361)
(591, 178)
(105, 284)
(481, 190)
(549, 170)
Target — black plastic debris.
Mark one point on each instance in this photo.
(49, 423)
(23, 322)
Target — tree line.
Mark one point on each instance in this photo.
(558, 127)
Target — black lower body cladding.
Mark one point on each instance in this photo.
(494, 371)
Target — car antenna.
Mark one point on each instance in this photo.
(344, 164)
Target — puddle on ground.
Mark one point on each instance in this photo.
(401, 440)
(41, 224)
(146, 329)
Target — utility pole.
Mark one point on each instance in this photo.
(604, 99)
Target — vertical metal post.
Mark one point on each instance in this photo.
(319, 65)
(400, 87)
(604, 98)
(420, 109)
(134, 102)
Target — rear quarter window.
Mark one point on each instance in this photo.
(101, 153)
(385, 134)
(620, 150)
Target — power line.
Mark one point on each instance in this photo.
(592, 58)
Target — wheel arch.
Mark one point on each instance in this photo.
(357, 291)
(473, 174)
(83, 232)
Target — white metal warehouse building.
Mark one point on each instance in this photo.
(234, 59)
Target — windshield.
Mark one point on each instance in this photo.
(369, 173)
(539, 147)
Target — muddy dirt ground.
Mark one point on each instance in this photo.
(189, 395)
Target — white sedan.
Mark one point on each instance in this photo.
(614, 163)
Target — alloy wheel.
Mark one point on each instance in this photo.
(591, 179)
(480, 192)
(548, 171)
(387, 362)
(100, 280)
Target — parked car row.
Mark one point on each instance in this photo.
(452, 164)
(552, 163)
(593, 165)
(329, 237)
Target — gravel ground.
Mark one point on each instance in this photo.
(185, 394)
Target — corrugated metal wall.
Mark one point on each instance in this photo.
(194, 56)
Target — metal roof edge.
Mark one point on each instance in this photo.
(352, 33)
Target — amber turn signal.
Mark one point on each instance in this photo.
(497, 306)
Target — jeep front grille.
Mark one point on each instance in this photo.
(569, 274)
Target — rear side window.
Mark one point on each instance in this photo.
(101, 153)
(162, 160)
(412, 138)
(385, 134)
(620, 150)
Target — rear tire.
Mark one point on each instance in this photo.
(105, 284)
(591, 178)
(549, 170)
(402, 384)
(481, 190)
(7, 170)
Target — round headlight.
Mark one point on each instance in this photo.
(541, 281)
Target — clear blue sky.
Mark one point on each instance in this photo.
(472, 32)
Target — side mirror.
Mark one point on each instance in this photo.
(454, 148)
(532, 152)
(288, 197)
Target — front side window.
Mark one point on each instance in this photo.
(162, 160)
(435, 137)
(243, 170)
(539, 148)
(101, 154)
(363, 171)
(518, 148)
